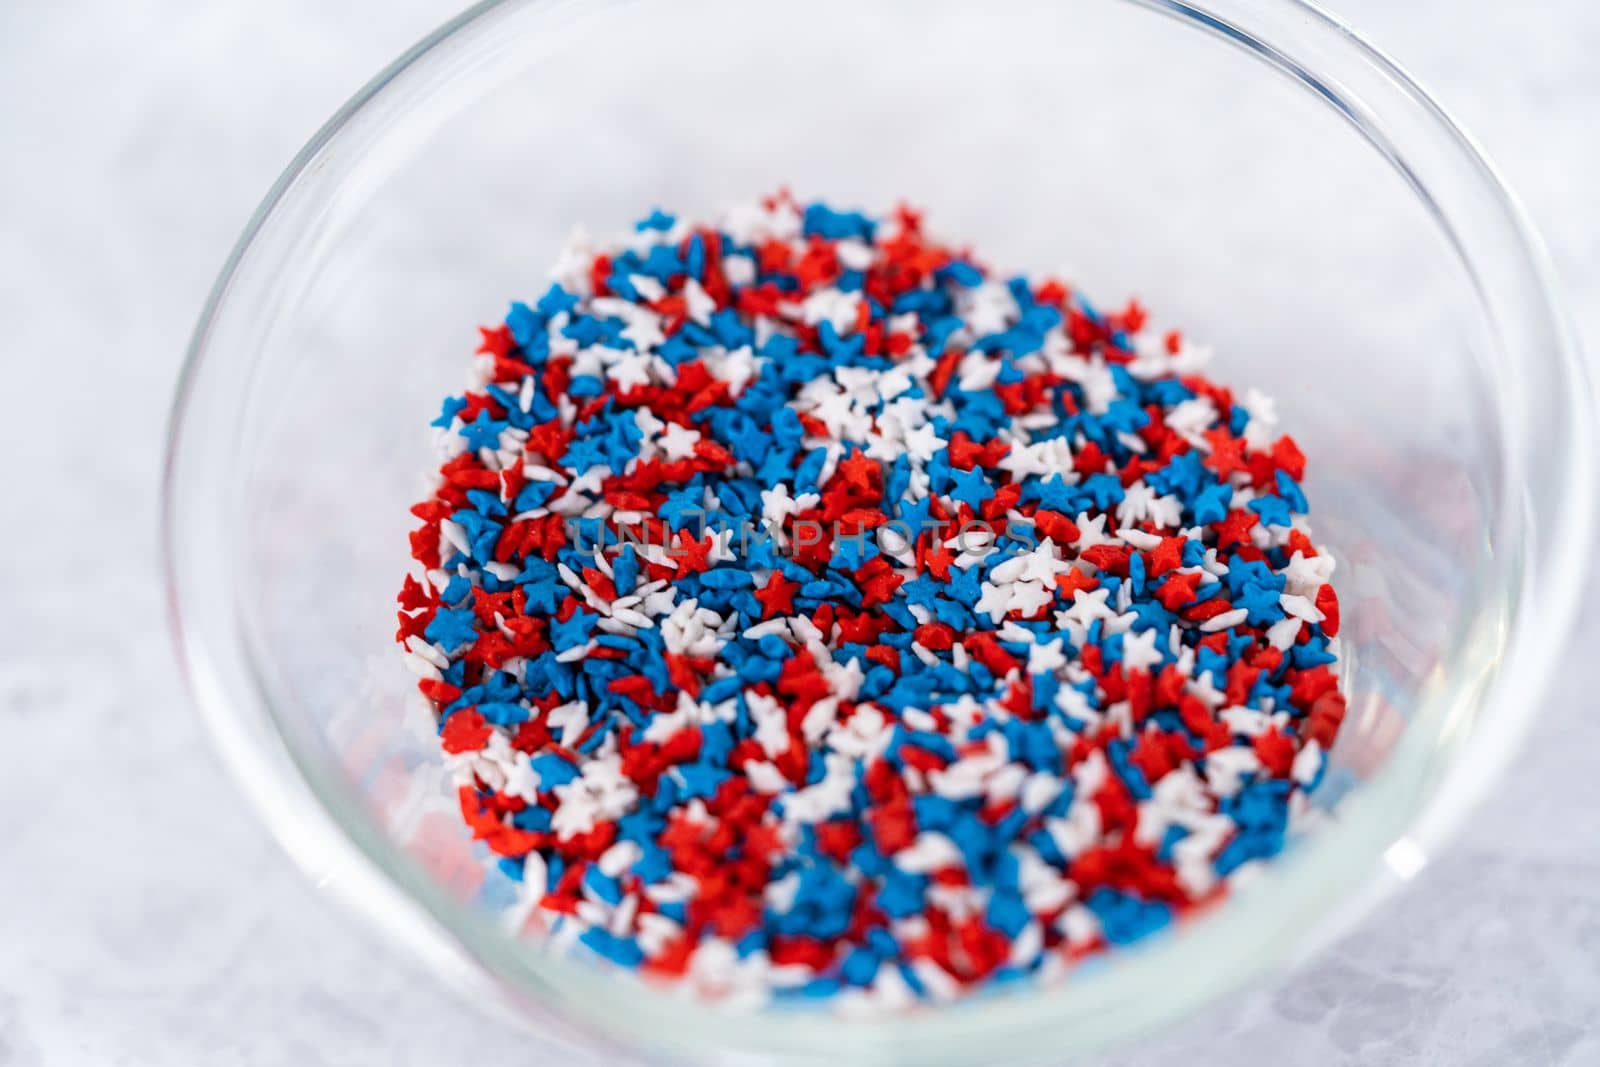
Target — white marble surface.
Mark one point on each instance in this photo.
(146, 919)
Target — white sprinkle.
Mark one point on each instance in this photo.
(1225, 620)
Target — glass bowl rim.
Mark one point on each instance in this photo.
(494, 961)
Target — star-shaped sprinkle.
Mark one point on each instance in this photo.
(678, 442)
(777, 596)
(1139, 652)
(1028, 597)
(1087, 606)
(630, 372)
(482, 432)
(995, 601)
(923, 442)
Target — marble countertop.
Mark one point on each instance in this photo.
(146, 917)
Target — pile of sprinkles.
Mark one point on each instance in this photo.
(809, 613)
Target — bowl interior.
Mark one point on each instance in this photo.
(1130, 153)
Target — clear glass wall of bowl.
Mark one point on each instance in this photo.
(1251, 173)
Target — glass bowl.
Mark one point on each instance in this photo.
(1250, 169)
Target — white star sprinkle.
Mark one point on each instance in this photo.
(1046, 657)
(678, 442)
(1139, 652)
(1088, 605)
(1091, 532)
(630, 372)
(923, 442)
(994, 601)
(1028, 597)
